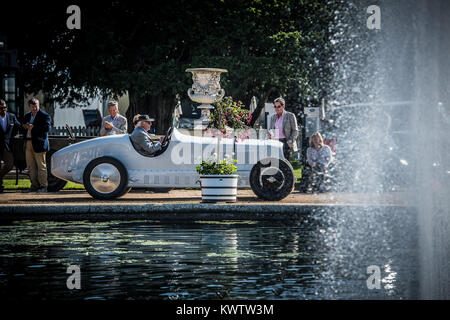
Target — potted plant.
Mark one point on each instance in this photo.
(216, 175)
(217, 180)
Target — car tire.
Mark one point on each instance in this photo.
(54, 184)
(272, 179)
(105, 178)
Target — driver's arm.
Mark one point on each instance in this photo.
(148, 145)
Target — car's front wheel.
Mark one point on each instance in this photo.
(105, 178)
(272, 179)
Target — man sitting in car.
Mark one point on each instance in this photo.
(141, 139)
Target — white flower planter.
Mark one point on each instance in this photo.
(217, 188)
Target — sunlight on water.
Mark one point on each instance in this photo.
(390, 103)
(323, 256)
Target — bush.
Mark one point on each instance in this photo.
(229, 113)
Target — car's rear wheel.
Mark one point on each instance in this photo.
(272, 179)
(105, 178)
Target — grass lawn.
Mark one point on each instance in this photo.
(297, 168)
(25, 184)
(297, 172)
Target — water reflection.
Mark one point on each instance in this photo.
(322, 256)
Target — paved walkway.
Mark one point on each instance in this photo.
(181, 204)
(194, 196)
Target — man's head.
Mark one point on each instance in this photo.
(136, 120)
(145, 122)
(113, 108)
(2, 107)
(279, 105)
(33, 104)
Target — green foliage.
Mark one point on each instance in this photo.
(229, 113)
(211, 167)
(298, 173)
(296, 164)
(270, 48)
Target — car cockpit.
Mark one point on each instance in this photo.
(164, 145)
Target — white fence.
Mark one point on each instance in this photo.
(77, 131)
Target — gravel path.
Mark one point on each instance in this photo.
(194, 196)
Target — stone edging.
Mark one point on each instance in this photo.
(187, 211)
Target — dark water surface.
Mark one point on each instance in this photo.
(324, 255)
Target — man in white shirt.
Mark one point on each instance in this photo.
(37, 123)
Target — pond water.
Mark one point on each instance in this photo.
(324, 255)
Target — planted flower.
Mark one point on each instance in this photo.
(229, 114)
(217, 178)
(222, 167)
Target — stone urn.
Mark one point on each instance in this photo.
(205, 89)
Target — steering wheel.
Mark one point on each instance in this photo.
(167, 137)
(165, 142)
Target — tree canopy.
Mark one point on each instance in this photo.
(270, 48)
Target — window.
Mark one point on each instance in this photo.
(9, 91)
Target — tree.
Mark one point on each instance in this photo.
(270, 48)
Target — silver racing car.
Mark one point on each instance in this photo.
(110, 166)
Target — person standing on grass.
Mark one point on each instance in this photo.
(283, 126)
(9, 126)
(37, 124)
(114, 123)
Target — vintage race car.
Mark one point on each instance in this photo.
(110, 166)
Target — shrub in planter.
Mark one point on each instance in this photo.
(218, 181)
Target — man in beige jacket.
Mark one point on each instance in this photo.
(283, 127)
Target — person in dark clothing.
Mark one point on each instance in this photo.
(37, 123)
(9, 126)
